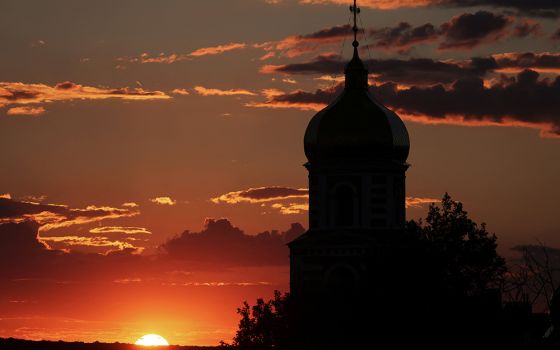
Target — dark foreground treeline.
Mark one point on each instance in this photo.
(19, 344)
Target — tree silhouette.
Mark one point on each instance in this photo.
(461, 255)
(263, 325)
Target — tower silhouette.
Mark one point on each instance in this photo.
(344, 266)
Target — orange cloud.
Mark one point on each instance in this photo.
(88, 215)
(216, 284)
(291, 208)
(174, 57)
(216, 50)
(289, 81)
(282, 105)
(418, 202)
(297, 208)
(87, 242)
(14, 93)
(378, 4)
(180, 92)
(120, 229)
(284, 199)
(54, 216)
(163, 201)
(261, 194)
(296, 45)
(515, 62)
(33, 111)
(546, 130)
(217, 92)
(130, 205)
(5, 195)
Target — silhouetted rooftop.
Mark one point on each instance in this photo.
(356, 126)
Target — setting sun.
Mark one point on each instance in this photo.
(151, 340)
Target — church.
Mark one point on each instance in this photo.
(342, 268)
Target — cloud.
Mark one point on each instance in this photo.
(216, 50)
(300, 99)
(5, 196)
(180, 92)
(418, 202)
(461, 32)
(64, 242)
(378, 4)
(289, 81)
(120, 229)
(222, 244)
(24, 255)
(469, 30)
(53, 216)
(522, 101)
(424, 71)
(130, 205)
(163, 201)
(282, 199)
(556, 35)
(540, 8)
(175, 57)
(291, 208)
(261, 194)
(33, 111)
(296, 45)
(516, 62)
(525, 101)
(527, 27)
(217, 92)
(403, 36)
(23, 94)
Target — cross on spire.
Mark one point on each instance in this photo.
(355, 10)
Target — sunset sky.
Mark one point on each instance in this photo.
(124, 124)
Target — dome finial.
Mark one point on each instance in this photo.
(355, 10)
(355, 71)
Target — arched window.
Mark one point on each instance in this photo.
(344, 206)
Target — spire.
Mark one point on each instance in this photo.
(355, 10)
(355, 71)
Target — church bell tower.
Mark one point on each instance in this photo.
(356, 150)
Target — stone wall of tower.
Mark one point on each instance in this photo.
(357, 197)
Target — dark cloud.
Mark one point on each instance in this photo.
(469, 30)
(403, 36)
(23, 256)
(461, 32)
(524, 100)
(529, 60)
(527, 27)
(219, 245)
(540, 8)
(556, 35)
(329, 33)
(222, 244)
(57, 215)
(411, 71)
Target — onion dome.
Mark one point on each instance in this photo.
(355, 126)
